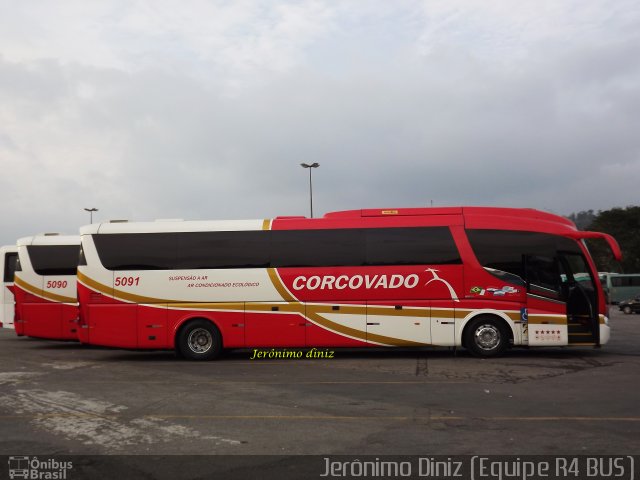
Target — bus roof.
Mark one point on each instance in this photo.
(49, 239)
(498, 218)
(172, 226)
(473, 217)
(8, 248)
(529, 213)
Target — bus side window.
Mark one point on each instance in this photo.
(543, 276)
(10, 260)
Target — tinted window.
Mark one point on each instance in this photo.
(503, 249)
(543, 272)
(625, 281)
(54, 259)
(316, 248)
(618, 282)
(249, 249)
(410, 246)
(10, 260)
(137, 251)
(277, 248)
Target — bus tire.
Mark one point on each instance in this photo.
(486, 336)
(199, 340)
(627, 309)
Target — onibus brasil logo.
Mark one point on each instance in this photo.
(35, 469)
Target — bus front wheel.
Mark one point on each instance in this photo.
(486, 336)
(199, 340)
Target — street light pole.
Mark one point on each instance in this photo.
(91, 210)
(313, 165)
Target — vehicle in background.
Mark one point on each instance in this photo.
(481, 278)
(631, 305)
(620, 286)
(8, 258)
(45, 286)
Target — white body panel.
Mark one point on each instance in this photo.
(173, 226)
(46, 286)
(6, 295)
(605, 333)
(410, 329)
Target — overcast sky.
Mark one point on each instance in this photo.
(204, 109)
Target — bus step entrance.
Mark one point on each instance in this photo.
(580, 331)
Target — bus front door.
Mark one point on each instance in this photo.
(546, 305)
(561, 301)
(581, 300)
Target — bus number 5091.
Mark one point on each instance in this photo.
(126, 281)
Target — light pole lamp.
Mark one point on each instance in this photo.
(91, 210)
(313, 165)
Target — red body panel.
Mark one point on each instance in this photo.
(274, 329)
(127, 325)
(42, 318)
(350, 284)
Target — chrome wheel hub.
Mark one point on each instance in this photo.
(200, 341)
(487, 337)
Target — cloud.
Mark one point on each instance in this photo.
(149, 110)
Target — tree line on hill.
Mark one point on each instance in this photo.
(624, 225)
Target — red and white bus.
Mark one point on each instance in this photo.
(482, 278)
(8, 257)
(45, 286)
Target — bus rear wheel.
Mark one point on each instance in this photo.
(199, 340)
(486, 336)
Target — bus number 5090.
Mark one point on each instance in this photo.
(126, 281)
(56, 284)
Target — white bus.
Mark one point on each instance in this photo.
(8, 258)
(45, 286)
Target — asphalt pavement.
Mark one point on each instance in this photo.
(66, 398)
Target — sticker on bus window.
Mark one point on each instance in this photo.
(496, 292)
